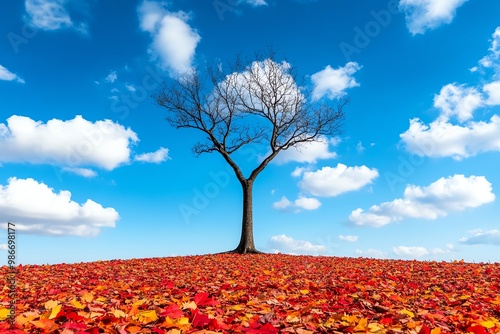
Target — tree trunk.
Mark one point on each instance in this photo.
(246, 244)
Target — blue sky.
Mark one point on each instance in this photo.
(90, 169)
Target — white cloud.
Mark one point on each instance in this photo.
(7, 75)
(85, 172)
(359, 147)
(301, 203)
(492, 89)
(256, 3)
(38, 209)
(372, 253)
(423, 15)
(174, 40)
(72, 143)
(349, 238)
(282, 204)
(112, 76)
(130, 88)
(492, 59)
(480, 237)
(298, 171)
(3, 247)
(455, 193)
(155, 157)
(332, 83)
(459, 101)
(443, 139)
(282, 243)
(309, 152)
(410, 252)
(307, 203)
(51, 15)
(450, 248)
(333, 181)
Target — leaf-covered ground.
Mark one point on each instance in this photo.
(266, 293)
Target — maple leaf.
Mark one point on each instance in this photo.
(199, 320)
(147, 316)
(173, 311)
(202, 299)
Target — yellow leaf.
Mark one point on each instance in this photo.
(54, 312)
(293, 319)
(180, 323)
(267, 272)
(77, 304)
(147, 316)
(304, 292)
(88, 297)
(190, 305)
(488, 324)
(102, 299)
(119, 314)
(408, 313)
(363, 322)
(436, 330)
(374, 328)
(4, 313)
(51, 304)
(464, 297)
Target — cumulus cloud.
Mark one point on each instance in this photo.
(410, 252)
(481, 237)
(174, 40)
(416, 252)
(372, 253)
(423, 15)
(3, 247)
(459, 101)
(333, 83)
(72, 143)
(333, 181)
(451, 194)
(154, 157)
(7, 75)
(491, 60)
(309, 152)
(38, 209)
(301, 203)
(443, 139)
(349, 238)
(492, 90)
(284, 244)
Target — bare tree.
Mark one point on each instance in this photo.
(260, 102)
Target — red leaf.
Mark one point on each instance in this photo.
(71, 325)
(202, 299)
(172, 311)
(477, 329)
(167, 284)
(425, 330)
(199, 320)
